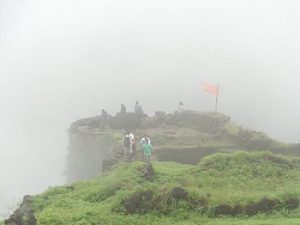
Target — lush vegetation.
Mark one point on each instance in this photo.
(212, 189)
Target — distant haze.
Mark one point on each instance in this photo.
(62, 60)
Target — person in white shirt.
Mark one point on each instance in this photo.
(133, 144)
(143, 140)
(127, 145)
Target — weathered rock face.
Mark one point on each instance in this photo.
(147, 172)
(187, 155)
(179, 193)
(138, 203)
(95, 144)
(23, 215)
(187, 137)
(88, 148)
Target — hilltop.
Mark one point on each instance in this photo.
(186, 137)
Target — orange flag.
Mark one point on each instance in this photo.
(210, 88)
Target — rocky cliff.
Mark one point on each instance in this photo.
(96, 143)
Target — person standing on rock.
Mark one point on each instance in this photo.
(104, 114)
(123, 109)
(180, 108)
(103, 119)
(138, 109)
(139, 114)
(147, 150)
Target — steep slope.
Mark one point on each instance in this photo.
(224, 188)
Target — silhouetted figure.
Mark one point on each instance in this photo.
(123, 109)
(180, 108)
(102, 120)
(104, 114)
(138, 109)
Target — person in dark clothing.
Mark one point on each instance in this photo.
(138, 109)
(123, 109)
(104, 114)
(102, 120)
(180, 108)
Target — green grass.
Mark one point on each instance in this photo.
(238, 178)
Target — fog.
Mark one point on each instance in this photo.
(62, 60)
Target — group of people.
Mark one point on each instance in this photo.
(137, 109)
(129, 145)
(129, 142)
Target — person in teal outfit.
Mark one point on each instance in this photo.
(147, 149)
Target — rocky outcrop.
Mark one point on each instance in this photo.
(95, 144)
(179, 193)
(147, 171)
(23, 215)
(138, 203)
(89, 146)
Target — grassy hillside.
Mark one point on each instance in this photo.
(237, 188)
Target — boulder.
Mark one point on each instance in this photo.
(24, 214)
(179, 193)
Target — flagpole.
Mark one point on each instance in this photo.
(217, 97)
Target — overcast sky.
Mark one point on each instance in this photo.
(62, 60)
